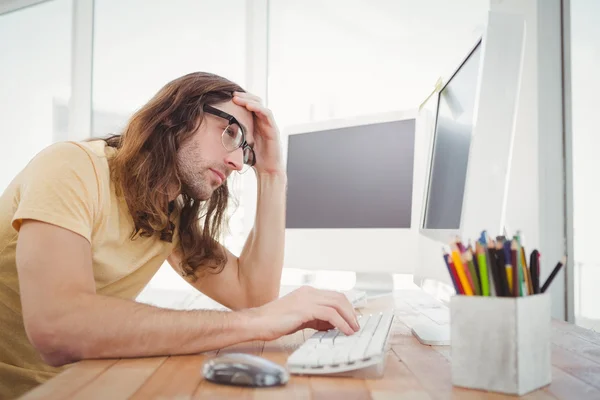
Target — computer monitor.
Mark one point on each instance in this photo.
(454, 122)
(471, 146)
(350, 197)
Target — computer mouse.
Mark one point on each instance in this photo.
(244, 370)
(432, 334)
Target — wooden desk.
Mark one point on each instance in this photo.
(413, 371)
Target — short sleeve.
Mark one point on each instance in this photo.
(59, 186)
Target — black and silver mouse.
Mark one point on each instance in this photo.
(244, 370)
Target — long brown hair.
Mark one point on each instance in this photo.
(145, 169)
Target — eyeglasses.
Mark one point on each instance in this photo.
(234, 137)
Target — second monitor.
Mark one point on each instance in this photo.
(471, 153)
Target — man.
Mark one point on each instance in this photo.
(85, 226)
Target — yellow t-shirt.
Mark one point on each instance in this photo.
(68, 184)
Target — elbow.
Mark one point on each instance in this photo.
(267, 296)
(271, 297)
(53, 346)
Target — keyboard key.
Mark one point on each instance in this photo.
(362, 321)
(323, 346)
(343, 339)
(359, 348)
(370, 325)
(329, 336)
(341, 354)
(304, 358)
(325, 358)
(377, 344)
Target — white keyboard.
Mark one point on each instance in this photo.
(357, 298)
(332, 352)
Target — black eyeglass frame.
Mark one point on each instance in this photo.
(232, 120)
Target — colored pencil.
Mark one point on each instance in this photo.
(468, 260)
(506, 268)
(553, 274)
(491, 257)
(460, 270)
(483, 269)
(535, 274)
(452, 272)
(516, 278)
(526, 272)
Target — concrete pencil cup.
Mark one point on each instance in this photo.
(501, 344)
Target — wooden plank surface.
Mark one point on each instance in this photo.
(121, 380)
(577, 366)
(566, 386)
(70, 381)
(413, 371)
(178, 377)
(398, 382)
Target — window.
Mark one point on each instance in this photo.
(35, 94)
(585, 86)
(139, 46)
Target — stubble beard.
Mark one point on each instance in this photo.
(193, 179)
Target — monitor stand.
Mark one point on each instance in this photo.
(374, 283)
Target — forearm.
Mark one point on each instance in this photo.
(108, 327)
(261, 260)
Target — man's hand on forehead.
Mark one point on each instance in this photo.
(266, 134)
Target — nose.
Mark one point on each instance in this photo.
(235, 159)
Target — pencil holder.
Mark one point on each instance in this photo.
(501, 344)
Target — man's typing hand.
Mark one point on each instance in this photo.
(305, 307)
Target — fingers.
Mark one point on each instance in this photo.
(246, 95)
(326, 308)
(255, 106)
(340, 302)
(330, 315)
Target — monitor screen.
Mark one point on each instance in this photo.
(451, 142)
(353, 177)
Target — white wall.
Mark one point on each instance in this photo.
(551, 154)
(535, 196)
(522, 200)
(345, 58)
